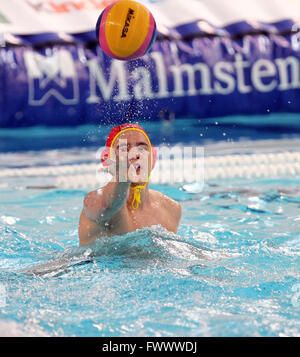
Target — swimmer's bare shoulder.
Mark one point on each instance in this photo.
(172, 209)
(91, 226)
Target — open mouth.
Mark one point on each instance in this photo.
(137, 168)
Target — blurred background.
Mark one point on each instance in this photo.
(218, 71)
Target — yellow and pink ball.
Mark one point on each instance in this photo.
(126, 30)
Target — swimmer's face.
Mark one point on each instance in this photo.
(133, 146)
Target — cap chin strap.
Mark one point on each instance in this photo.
(136, 189)
(137, 194)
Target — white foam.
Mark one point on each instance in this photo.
(14, 329)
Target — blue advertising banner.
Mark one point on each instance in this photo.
(194, 69)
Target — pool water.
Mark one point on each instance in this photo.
(233, 269)
(181, 130)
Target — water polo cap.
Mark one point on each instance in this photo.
(107, 153)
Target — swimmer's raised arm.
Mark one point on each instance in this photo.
(101, 205)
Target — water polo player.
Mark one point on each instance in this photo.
(126, 203)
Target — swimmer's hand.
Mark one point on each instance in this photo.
(122, 171)
(118, 169)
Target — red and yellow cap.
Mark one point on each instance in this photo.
(107, 153)
(115, 133)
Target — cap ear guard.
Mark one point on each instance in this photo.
(105, 155)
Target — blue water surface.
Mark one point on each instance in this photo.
(233, 269)
(180, 130)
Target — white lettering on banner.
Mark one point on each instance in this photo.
(44, 71)
(161, 75)
(221, 70)
(265, 76)
(282, 64)
(240, 65)
(55, 76)
(263, 68)
(142, 88)
(190, 70)
(117, 76)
